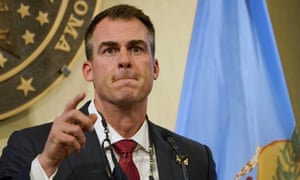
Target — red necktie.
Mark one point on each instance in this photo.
(125, 148)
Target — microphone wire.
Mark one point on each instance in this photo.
(180, 159)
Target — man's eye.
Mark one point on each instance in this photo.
(110, 51)
(136, 50)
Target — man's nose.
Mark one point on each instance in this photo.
(125, 59)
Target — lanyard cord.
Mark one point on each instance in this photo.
(113, 157)
(151, 151)
(107, 140)
(106, 131)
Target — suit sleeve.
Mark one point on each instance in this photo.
(16, 157)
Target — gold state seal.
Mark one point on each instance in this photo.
(38, 42)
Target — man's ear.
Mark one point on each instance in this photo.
(87, 70)
(155, 69)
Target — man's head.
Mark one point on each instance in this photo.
(120, 57)
(124, 12)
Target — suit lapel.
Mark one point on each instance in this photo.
(89, 163)
(165, 157)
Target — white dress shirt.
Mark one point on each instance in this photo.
(140, 155)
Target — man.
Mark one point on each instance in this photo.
(84, 144)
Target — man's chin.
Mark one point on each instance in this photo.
(124, 103)
(127, 101)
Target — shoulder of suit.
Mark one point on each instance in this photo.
(37, 131)
(45, 127)
(177, 137)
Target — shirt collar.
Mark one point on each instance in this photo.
(141, 137)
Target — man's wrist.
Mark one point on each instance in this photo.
(38, 173)
(48, 166)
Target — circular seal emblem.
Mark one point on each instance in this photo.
(39, 40)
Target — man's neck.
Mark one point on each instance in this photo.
(126, 121)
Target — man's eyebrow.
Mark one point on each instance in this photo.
(107, 44)
(135, 42)
(115, 44)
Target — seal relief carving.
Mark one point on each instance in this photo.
(39, 41)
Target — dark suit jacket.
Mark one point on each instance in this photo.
(23, 146)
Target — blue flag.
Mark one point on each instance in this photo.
(234, 97)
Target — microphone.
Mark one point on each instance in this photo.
(182, 160)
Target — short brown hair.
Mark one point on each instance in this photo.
(119, 12)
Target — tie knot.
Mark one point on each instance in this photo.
(124, 146)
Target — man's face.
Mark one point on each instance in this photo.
(122, 68)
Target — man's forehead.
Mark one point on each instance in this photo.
(132, 41)
(122, 32)
(115, 27)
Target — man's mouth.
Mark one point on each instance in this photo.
(125, 76)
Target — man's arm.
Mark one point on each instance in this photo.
(65, 137)
(17, 156)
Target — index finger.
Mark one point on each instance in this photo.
(72, 104)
